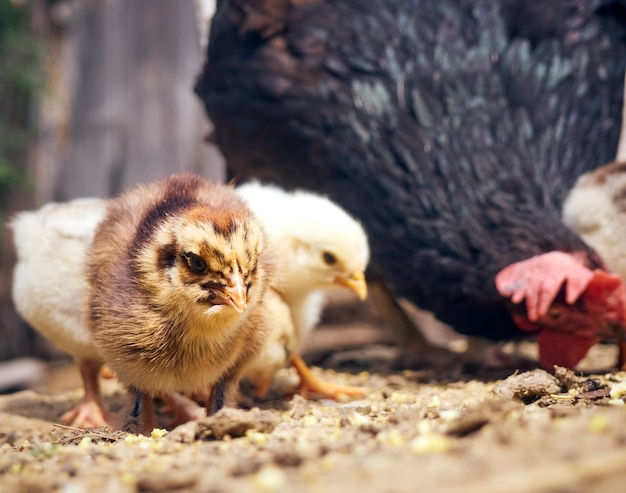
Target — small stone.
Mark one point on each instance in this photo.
(528, 386)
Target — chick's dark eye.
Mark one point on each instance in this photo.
(329, 258)
(196, 263)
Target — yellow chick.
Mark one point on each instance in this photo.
(50, 289)
(177, 273)
(318, 248)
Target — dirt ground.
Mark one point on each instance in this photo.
(445, 426)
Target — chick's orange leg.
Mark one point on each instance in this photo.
(90, 412)
(107, 373)
(262, 386)
(310, 383)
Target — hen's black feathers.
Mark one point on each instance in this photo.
(452, 129)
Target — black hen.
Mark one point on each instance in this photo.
(452, 128)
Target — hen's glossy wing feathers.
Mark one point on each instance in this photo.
(451, 129)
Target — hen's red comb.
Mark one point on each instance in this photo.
(539, 279)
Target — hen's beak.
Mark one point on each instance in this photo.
(235, 294)
(355, 282)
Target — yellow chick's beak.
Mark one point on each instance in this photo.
(235, 294)
(355, 282)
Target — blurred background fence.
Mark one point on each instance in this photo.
(95, 95)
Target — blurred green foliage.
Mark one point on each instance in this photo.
(20, 56)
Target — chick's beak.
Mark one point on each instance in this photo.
(235, 294)
(355, 282)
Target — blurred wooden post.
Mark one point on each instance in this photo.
(130, 114)
(118, 109)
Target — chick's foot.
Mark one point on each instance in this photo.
(310, 383)
(181, 409)
(90, 412)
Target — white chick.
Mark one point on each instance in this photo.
(50, 289)
(279, 346)
(595, 209)
(319, 248)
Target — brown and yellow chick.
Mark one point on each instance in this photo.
(50, 289)
(177, 272)
(318, 248)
